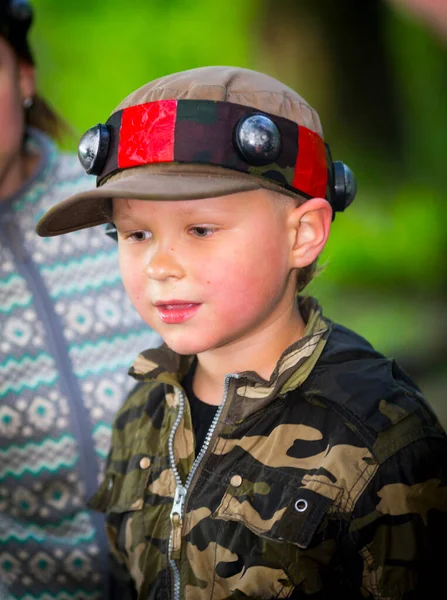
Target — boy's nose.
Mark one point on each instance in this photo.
(163, 264)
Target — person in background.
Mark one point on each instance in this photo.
(67, 336)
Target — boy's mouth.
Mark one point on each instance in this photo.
(176, 311)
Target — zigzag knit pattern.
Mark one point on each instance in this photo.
(67, 337)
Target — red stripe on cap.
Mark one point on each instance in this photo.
(147, 134)
(310, 174)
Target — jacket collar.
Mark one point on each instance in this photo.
(292, 369)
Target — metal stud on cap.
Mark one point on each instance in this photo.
(345, 186)
(93, 148)
(258, 140)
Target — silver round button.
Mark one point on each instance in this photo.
(301, 505)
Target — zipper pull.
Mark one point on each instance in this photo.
(179, 501)
(176, 517)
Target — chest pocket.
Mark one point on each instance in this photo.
(121, 497)
(274, 505)
(276, 527)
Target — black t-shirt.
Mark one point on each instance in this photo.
(202, 414)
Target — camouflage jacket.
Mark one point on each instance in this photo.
(328, 481)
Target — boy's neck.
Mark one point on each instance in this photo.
(260, 354)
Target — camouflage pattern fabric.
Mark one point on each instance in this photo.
(204, 134)
(328, 481)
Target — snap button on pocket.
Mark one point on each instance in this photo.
(145, 463)
(301, 505)
(236, 481)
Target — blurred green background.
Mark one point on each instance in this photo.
(377, 77)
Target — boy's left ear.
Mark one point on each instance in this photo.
(309, 227)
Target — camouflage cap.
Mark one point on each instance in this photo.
(144, 162)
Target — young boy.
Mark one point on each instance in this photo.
(267, 452)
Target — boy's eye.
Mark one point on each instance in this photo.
(202, 230)
(140, 236)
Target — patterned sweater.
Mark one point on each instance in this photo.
(67, 336)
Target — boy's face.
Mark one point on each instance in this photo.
(206, 273)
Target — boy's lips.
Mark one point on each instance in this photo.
(176, 311)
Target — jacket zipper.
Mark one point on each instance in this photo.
(176, 516)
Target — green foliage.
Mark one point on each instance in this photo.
(420, 61)
(93, 53)
(393, 242)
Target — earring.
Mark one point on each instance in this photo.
(28, 102)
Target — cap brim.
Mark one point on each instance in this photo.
(168, 182)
